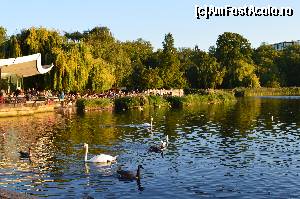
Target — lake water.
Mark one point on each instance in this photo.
(248, 149)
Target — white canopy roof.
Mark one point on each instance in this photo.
(24, 66)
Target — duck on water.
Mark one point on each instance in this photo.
(130, 175)
(25, 155)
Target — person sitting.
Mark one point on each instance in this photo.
(17, 92)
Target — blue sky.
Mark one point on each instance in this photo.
(151, 20)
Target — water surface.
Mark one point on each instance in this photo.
(248, 149)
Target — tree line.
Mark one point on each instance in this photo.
(96, 60)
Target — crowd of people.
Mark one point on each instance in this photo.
(21, 96)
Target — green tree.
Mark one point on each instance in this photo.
(170, 65)
(205, 72)
(234, 53)
(103, 45)
(100, 78)
(151, 79)
(289, 65)
(265, 57)
(74, 36)
(3, 36)
(14, 49)
(3, 39)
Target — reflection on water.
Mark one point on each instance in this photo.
(249, 149)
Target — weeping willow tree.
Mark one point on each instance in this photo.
(73, 61)
(100, 78)
(37, 40)
(72, 66)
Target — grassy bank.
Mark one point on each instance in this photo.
(124, 103)
(128, 102)
(245, 92)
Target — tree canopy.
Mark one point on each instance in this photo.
(95, 60)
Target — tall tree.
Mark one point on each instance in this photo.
(205, 72)
(139, 52)
(106, 47)
(3, 39)
(234, 53)
(265, 57)
(289, 65)
(170, 65)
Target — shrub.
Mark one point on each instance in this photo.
(99, 103)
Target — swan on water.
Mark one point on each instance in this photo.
(98, 158)
(161, 147)
(165, 143)
(147, 124)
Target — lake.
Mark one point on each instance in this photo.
(247, 149)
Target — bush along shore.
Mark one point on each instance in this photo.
(94, 104)
(131, 102)
(211, 97)
(285, 91)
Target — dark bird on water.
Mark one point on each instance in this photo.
(24, 155)
(161, 147)
(130, 175)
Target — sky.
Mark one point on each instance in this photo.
(151, 20)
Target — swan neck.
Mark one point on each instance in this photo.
(138, 173)
(86, 152)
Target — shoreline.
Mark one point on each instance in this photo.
(191, 97)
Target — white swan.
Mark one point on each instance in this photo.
(146, 124)
(98, 158)
(165, 143)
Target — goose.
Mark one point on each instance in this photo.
(24, 155)
(155, 149)
(99, 158)
(130, 175)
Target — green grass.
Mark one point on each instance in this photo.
(213, 97)
(128, 102)
(157, 101)
(244, 92)
(90, 104)
(139, 101)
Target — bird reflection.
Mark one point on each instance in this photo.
(103, 168)
(87, 168)
(139, 185)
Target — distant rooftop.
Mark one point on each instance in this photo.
(284, 44)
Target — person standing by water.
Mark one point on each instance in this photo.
(62, 95)
(1, 97)
(61, 98)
